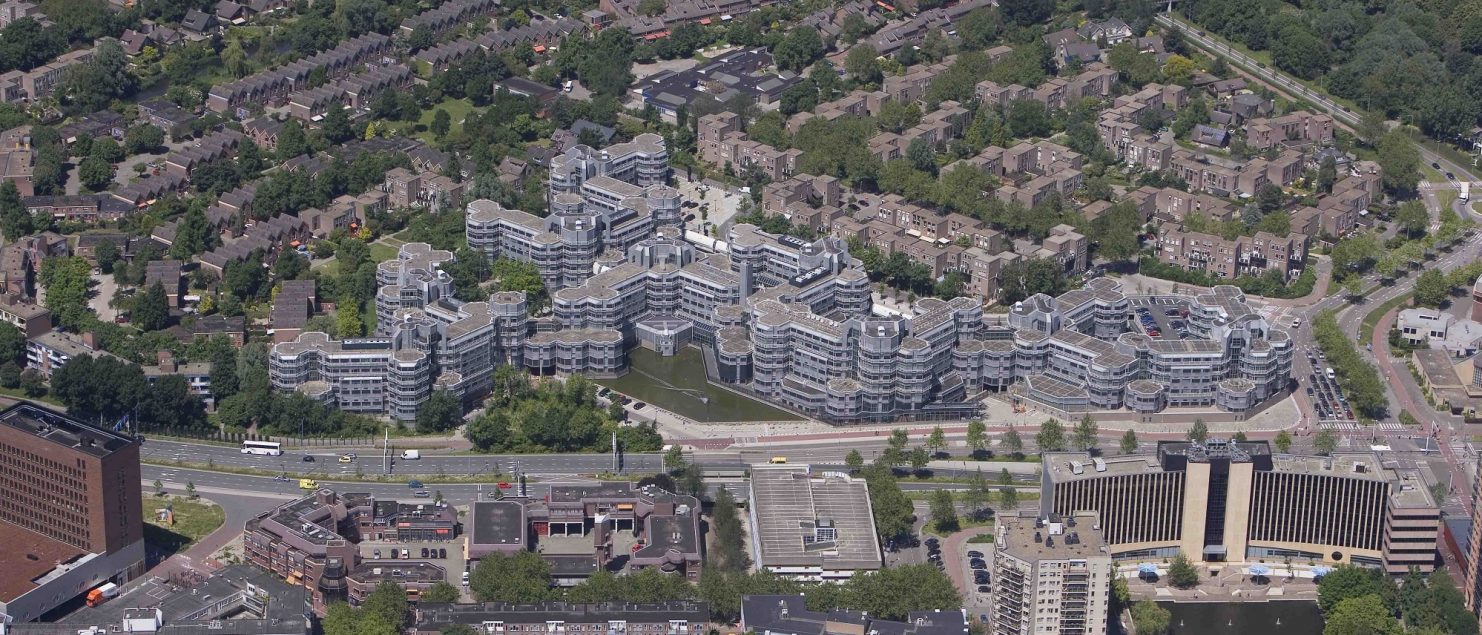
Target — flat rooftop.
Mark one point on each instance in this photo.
(63, 431)
(1054, 538)
(32, 557)
(497, 523)
(787, 502)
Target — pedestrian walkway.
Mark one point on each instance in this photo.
(1339, 425)
(1391, 425)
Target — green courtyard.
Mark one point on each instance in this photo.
(677, 384)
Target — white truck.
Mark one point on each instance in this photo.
(411, 455)
(1466, 190)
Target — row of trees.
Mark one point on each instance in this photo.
(890, 593)
(1358, 378)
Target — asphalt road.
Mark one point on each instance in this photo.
(326, 461)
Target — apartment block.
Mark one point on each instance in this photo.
(1226, 501)
(1053, 573)
(1229, 259)
(643, 161)
(1300, 127)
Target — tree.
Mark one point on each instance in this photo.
(1431, 288)
(441, 592)
(937, 442)
(1325, 442)
(347, 322)
(1412, 218)
(1008, 497)
(67, 281)
(674, 458)
(1012, 442)
(152, 310)
(1240, 437)
(1400, 162)
(1026, 12)
(798, 49)
(234, 59)
(143, 138)
(1363, 615)
(1371, 128)
(1150, 618)
(944, 512)
(854, 460)
(96, 174)
(190, 489)
(977, 436)
(863, 64)
(1327, 174)
(1084, 435)
(15, 222)
(522, 578)
(292, 141)
(919, 458)
(159, 488)
(895, 450)
(1346, 582)
(193, 235)
(441, 123)
(1051, 436)
(1129, 442)
(892, 510)
(1181, 572)
(1178, 69)
(652, 8)
(441, 412)
(1198, 432)
(725, 521)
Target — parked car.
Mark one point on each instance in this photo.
(376, 553)
(974, 554)
(424, 552)
(983, 588)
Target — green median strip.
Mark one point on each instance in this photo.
(1366, 328)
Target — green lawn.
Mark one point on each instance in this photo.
(194, 519)
(678, 384)
(381, 252)
(457, 109)
(1366, 328)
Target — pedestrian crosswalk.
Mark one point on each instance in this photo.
(1338, 425)
(1391, 425)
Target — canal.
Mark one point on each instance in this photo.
(1291, 617)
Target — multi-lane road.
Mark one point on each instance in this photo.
(326, 461)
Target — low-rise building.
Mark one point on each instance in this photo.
(813, 527)
(500, 618)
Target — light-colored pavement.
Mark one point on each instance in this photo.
(104, 288)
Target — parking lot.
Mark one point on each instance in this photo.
(1327, 398)
(1162, 317)
(447, 554)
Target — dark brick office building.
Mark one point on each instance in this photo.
(71, 512)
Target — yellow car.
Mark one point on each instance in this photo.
(308, 483)
(347, 458)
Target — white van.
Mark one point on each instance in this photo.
(1330, 373)
(411, 455)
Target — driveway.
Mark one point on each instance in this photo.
(104, 287)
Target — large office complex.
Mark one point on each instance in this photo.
(425, 340)
(71, 510)
(811, 526)
(1075, 352)
(1239, 502)
(1053, 576)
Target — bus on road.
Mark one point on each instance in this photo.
(269, 448)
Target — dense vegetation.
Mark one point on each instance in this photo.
(889, 593)
(1360, 600)
(549, 416)
(1415, 61)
